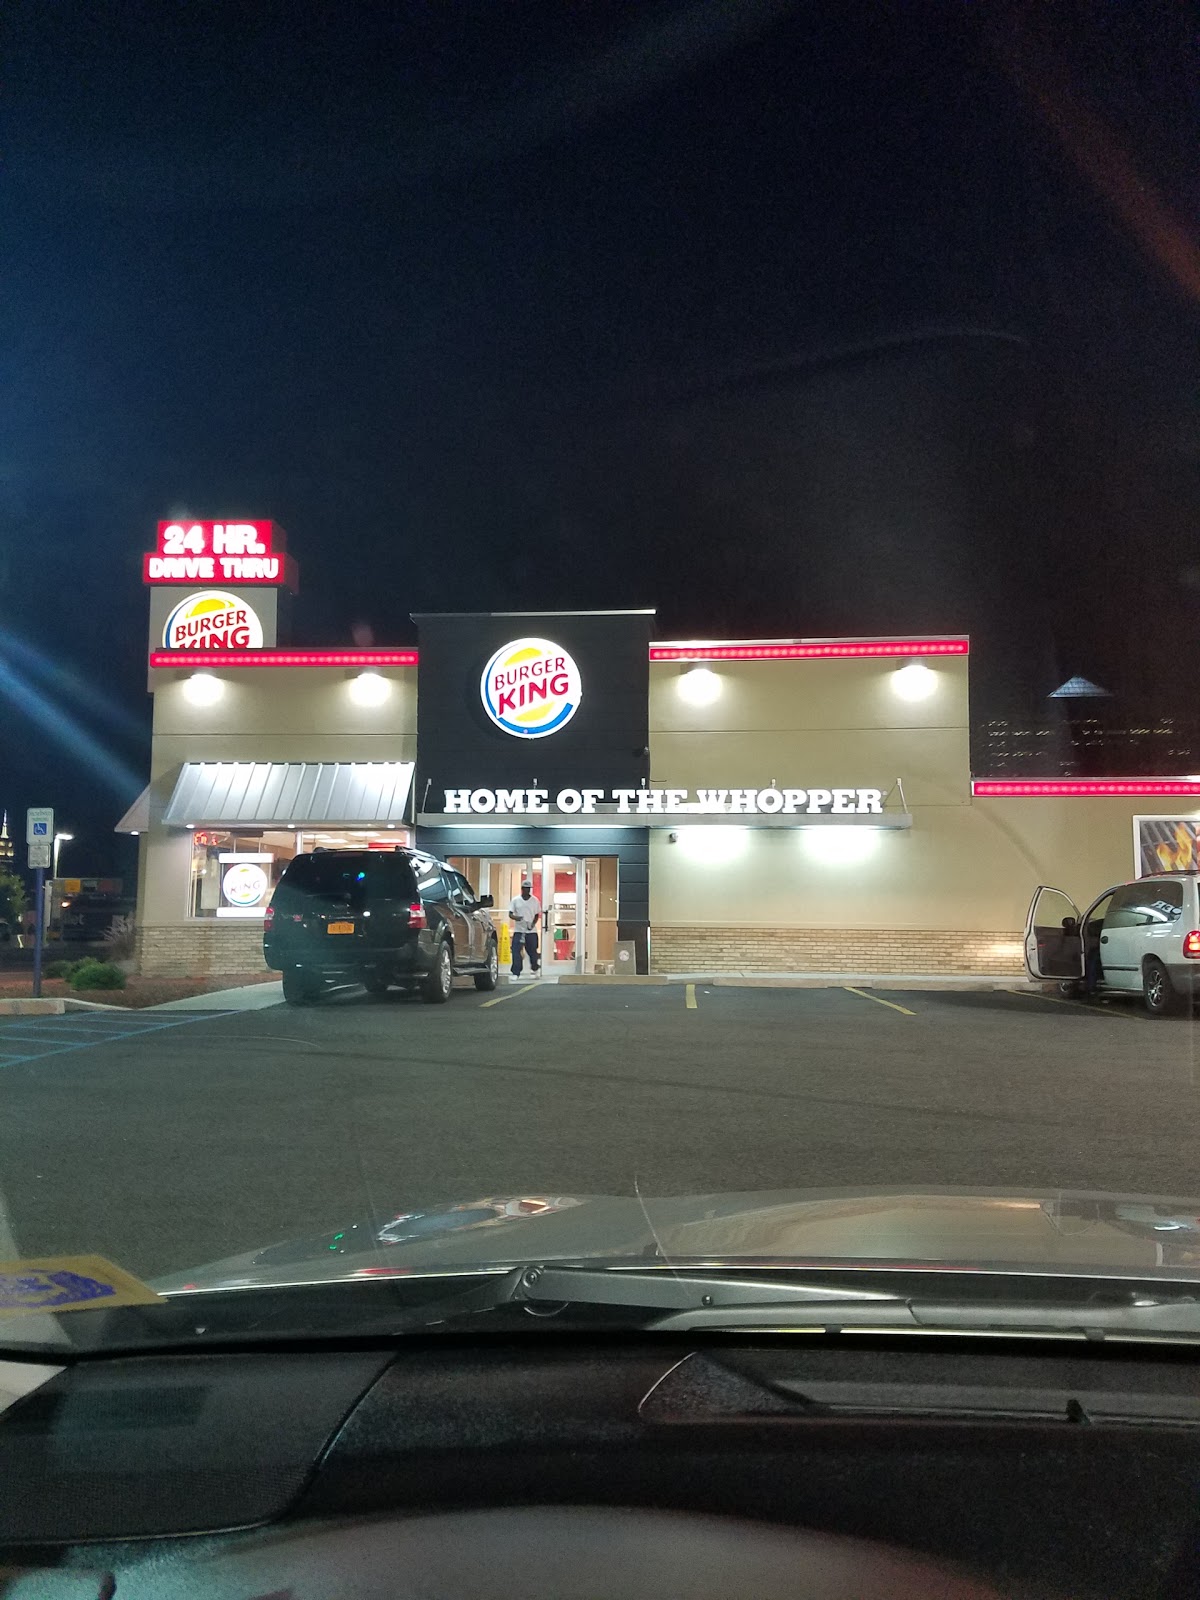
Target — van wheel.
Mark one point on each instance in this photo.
(491, 977)
(300, 988)
(437, 985)
(1157, 989)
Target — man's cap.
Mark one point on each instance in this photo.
(527, 883)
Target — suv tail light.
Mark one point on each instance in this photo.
(269, 918)
(417, 918)
(1191, 944)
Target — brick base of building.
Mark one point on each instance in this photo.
(200, 950)
(679, 948)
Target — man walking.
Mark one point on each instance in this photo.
(525, 914)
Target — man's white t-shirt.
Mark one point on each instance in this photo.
(525, 914)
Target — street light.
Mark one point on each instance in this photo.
(59, 840)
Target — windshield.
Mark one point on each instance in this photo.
(593, 644)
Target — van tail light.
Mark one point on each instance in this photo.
(269, 918)
(417, 919)
(1191, 944)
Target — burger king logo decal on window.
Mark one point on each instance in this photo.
(245, 884)
(213, 620)
(531, 688)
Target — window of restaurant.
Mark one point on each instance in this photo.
(234, 871)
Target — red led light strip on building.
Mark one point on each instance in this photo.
(765, 651)
(998, 789)
(199, 659)
(782, 650)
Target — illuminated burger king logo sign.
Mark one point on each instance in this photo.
(213, 620)
(530, 688)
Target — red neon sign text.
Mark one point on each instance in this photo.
(220, 552)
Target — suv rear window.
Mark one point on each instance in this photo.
(349, 876)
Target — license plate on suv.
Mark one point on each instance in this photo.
(340, 927)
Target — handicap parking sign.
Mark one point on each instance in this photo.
(39, 825)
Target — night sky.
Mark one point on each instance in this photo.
(786, 319)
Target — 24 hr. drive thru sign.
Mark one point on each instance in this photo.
(237, 553)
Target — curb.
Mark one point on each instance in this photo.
(841, 980)
(808, 980)
(612, 979)
(55, 1006)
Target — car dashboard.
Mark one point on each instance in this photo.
(598, 1465)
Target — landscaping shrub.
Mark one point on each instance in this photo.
(93, 974)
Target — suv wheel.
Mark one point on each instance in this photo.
(1157, 989)
(440, 980)
(490, 977)
(300, 988)
(376, 982)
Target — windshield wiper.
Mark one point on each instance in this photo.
(679, 1302)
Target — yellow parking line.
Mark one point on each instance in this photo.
(1079, 1005)
(689, 996)
(889, 1003)
(513, 994)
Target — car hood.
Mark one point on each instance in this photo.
(1052, 1231)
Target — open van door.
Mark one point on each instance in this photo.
(1053, 943)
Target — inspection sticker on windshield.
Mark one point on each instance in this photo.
(68, 1283)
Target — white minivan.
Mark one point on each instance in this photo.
(1137, 938)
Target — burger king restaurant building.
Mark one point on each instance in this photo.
(714, 805)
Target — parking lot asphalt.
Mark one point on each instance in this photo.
(168, 1140)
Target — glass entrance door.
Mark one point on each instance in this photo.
(568, 888)
(564, 893)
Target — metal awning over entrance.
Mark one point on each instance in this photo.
(290, 793)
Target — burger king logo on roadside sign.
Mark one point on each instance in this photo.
(213, 620)
(530, 688)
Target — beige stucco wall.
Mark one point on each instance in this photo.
(283, 714)
(814, 723)
(972, 866)
(265, 714)
(969, 865)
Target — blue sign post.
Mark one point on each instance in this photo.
(39, 891)
(39, 837)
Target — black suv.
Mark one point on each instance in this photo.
(377, 917)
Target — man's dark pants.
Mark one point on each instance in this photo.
(528, 942)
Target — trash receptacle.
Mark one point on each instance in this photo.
(624, 956)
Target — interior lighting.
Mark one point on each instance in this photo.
(202, 689)
(699, 687)
(369, 689)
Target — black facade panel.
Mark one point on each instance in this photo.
(604, 745)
